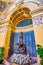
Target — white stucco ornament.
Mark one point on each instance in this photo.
(40, 2)
(3, 28)
(37, 22)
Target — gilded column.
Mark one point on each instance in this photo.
(7, 42)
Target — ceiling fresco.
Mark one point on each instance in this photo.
(3, 5)
(33, 4)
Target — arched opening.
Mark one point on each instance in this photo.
(28, 37)
(22, 32)
(20, 22)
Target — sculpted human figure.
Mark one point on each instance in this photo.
(21, 45)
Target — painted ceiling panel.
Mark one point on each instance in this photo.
(2, 6)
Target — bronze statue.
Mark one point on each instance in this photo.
(21, 45)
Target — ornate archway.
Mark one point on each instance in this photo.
(20, 13)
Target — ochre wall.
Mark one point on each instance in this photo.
(39, 35)
(2, 38)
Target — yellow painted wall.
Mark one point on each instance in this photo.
(39, 34)
(39, 37)
(3, 30)
(2, 38)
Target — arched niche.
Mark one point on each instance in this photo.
(19, 14)
(22, 14)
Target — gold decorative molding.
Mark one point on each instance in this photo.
(20, 4)
(23, 29)
(19, 15)
(7, 0)
(37, 11)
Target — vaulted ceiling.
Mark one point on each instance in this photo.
(8, 6)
